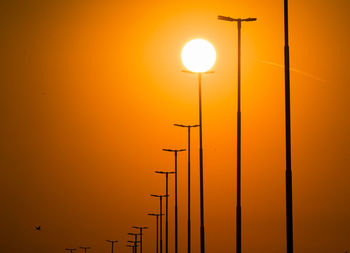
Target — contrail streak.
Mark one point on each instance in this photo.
(294, 70)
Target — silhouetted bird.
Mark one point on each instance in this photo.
(38, 228)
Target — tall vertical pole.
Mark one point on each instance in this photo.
(141, 240)
(157, 234)
(161, 226)
(135, 243)
(166, 215)
(112, 246)
(132, 248)
(238, 214)
(189, 182)
(289, 199)
(202, 238)
(176, 218)
(189, 193)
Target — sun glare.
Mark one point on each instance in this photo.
(198, 55)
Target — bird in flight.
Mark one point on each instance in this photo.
(38, 228)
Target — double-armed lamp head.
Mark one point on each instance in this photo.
(111, 241)
(225, 18)
(164, 172)
(180, 125)
(173, 150)
(159, 196)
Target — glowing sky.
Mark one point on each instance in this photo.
(89, 92)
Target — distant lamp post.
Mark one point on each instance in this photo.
(166, 173)
(238, 206)
(157, 228)
(112, 242)
(198, 56)
(135, 245)
(175, 151)
(135, 241)
(161, 220)
(85, 248)
(141, 229)
(131, 246)
(189, 184)
(289, 195)
(70, 249)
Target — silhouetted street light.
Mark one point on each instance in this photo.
(157, 234)
(132, 246)
(141, 228)
(238, 207)
(85, 248)
(166, 207)
(289, 195)
(69, 249)
(175, 151)
(135, 241)
(204, 53)
(161, 220)
(189, 185)
(112, 242)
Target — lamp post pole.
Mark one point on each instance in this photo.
(157, 234)
(161, 220)
(131, 246)
(85, 248)
(201, 172)
(238, 206)
(166, 173)
(135, 241)
(175, 151)
(289, 196)
(141, 228)
(189, 184)
(112, 242)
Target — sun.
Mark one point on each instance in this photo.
(198, 55)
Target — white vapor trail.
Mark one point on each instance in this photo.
(294, 70)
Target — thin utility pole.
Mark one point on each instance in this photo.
(189, 184)
(141, 229)
(289, 197)
(175, 151)
(112, 242)
(166, 173)
(238, 205)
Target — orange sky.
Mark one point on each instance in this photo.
(89, 93)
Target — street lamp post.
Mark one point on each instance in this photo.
(157, 233)
(201, 186)
(161, 220)
(289, 195)
(189, 185)
(238, 207)
(166, 173)
(131, 246)
(141, 228)
(112, 242)
(135, 241)
(199, 56)
(85, 248)
(70, 249)
(175, 151)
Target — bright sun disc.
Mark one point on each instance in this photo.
(198, 55)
